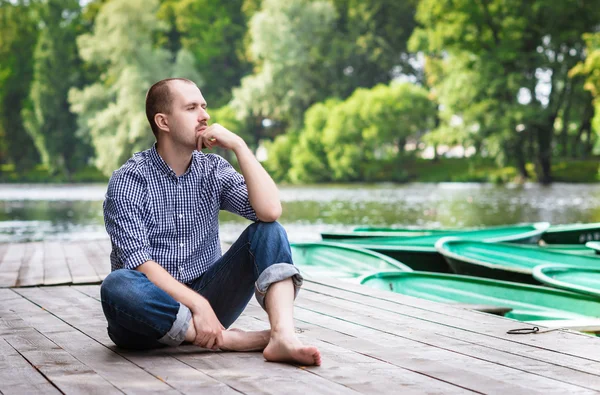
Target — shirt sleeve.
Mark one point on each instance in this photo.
(125, 226)
(234, 193)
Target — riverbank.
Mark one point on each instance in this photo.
(419, 170)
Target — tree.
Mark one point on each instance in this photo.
(111, 110)
(286, 43)
(367, 131)
(47, 118)
(590, 68)
(518, 55)
(216, 39)
(18, 36)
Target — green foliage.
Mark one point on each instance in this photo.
(18, 35)
(309, 157)
(278, 163)
(48, 119)
(361, 138)
(484, 55)
(286, 43)
(372, 125)
(213, 31)
(111, 111)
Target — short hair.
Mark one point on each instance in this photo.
(159, 99)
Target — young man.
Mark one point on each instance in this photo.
(169, 282)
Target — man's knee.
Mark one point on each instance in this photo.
(268, 229)
(120, 286)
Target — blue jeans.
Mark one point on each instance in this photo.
(140, 315)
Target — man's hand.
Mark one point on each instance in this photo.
(208, 328)
(218, 136)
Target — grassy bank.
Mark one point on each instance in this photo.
(419, 170)
(483, 170)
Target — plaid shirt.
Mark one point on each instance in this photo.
(151, 214)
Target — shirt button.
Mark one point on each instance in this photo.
(180, 244)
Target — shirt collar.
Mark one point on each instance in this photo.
(160, 163)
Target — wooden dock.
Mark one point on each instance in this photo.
(53, 340)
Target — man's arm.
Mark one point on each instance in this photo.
(207, 325)
(262, 191)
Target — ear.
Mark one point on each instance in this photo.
(161, 121)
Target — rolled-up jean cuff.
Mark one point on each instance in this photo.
(176, 335)
(275, 273)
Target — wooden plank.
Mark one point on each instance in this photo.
(56, 270)
(17, 376)
(119, 371)
(238, 373)
(375, 365)
(58, 366)
(352, 369)
(32, 269)
(479, 326)
(97, 257)
(82, 315)
(105, 246)
(10, 264)
(81, 269)
(392, 332)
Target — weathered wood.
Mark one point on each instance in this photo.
(32, 268)
(81, 269)
(97, 257)
(57, 365)
(56, 270)
(455, 367)
(10, 264)
(120, 372)
(352, 369)
(426, 333)
(478, 325)
(17, 376)
(242, 372)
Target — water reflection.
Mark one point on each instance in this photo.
(65, 212)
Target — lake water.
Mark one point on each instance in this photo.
(74, 212)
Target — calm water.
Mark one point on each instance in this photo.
(66, 212)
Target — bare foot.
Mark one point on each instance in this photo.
(238, 340)
(290, 349)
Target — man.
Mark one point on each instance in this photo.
(169, 283)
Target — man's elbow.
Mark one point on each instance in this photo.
(270, 214)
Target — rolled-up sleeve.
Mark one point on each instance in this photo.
(125, 226)
(234, 193)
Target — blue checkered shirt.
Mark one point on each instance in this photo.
(151, 214)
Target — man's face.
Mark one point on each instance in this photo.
(188, 113)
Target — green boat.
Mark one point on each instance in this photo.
(594, 245)
(577, 249)
(324, 259)
(502, 261)
(419, 253)
(359, 235)
(572, 233)
(528, 302)
(576, 279)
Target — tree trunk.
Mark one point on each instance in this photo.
(564, 135)
(520, 158)
(544, 134)
(586, 125)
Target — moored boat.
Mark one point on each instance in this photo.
(575, 279)
(528, 302)
(504, 261)
(572, 233)
(419, 253)
(325, 259)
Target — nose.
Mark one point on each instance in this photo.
(203, 116)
